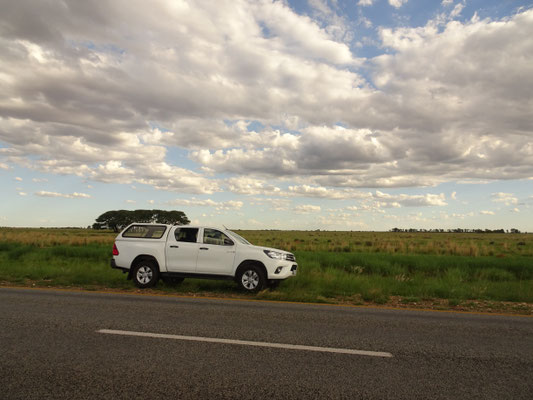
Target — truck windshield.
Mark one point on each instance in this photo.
(239, 238)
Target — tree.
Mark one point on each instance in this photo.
(119, 219)
(172, 217)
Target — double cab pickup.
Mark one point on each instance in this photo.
(148, 252)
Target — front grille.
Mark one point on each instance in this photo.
(290, 257)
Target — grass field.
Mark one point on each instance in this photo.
(355, 267)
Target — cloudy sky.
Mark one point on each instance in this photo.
(298, 114)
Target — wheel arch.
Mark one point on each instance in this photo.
(247, 263)
(143, 257)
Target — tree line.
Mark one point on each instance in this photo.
(119, 219)
(456, 230)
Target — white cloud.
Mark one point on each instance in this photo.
(334, 23)
(428, 199)
(378, 199)
(18, 179)
(462, 216)
(74, 195)
(397, 3)
(326, 193)
(343, 221)
(460, 86)
(316, 150)
(131, 201)
(306, 209)
(193, 202)
(250, 95)
(447, 2)
(275, 204)
(454, 196)
(112, 131)
(506, 198)
(300, 35)
(485, 212)
(457, 10)
(113, 171)
(249, 186)
(22, 193)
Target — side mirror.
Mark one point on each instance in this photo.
(228, 242)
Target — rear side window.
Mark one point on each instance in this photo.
(145, 231)
(186, 235)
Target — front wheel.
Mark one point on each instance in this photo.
(251, 278)
(145, 274)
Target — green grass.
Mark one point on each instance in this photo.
(377, 276)
(56, 259)
(457, 244)
(59, 265)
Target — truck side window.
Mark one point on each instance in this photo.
(145, 231)
(186, 235)
(212, 236)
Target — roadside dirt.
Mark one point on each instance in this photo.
(394, 302)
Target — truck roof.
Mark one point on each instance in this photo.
(221, 228)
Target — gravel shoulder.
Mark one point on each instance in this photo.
(395, 302)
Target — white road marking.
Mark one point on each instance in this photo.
(248, 343)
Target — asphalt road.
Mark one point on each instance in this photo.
(51, 347)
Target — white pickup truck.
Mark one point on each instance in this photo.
(148, 252)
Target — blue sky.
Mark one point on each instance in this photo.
(308, 114)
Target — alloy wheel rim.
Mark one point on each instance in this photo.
(144, 275)
(250, 279)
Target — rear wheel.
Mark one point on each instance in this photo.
(251, 278)
(145, 274)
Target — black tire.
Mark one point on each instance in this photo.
(251, 278)
(145, 274)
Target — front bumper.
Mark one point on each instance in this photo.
(283, 270)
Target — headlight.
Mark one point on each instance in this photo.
(275, 254)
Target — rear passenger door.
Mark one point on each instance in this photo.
(182, 249)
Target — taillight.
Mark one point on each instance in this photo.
(115, 250)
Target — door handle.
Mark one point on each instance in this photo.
(175, 247)
(204, 248)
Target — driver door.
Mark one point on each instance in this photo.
(216, 253)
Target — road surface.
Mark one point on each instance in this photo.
(82, 345)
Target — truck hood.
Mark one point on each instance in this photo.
(261, 248)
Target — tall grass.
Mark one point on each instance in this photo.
(59, 265)
(43, 237)
(456, 244)
(377, 276)
(353, 265)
